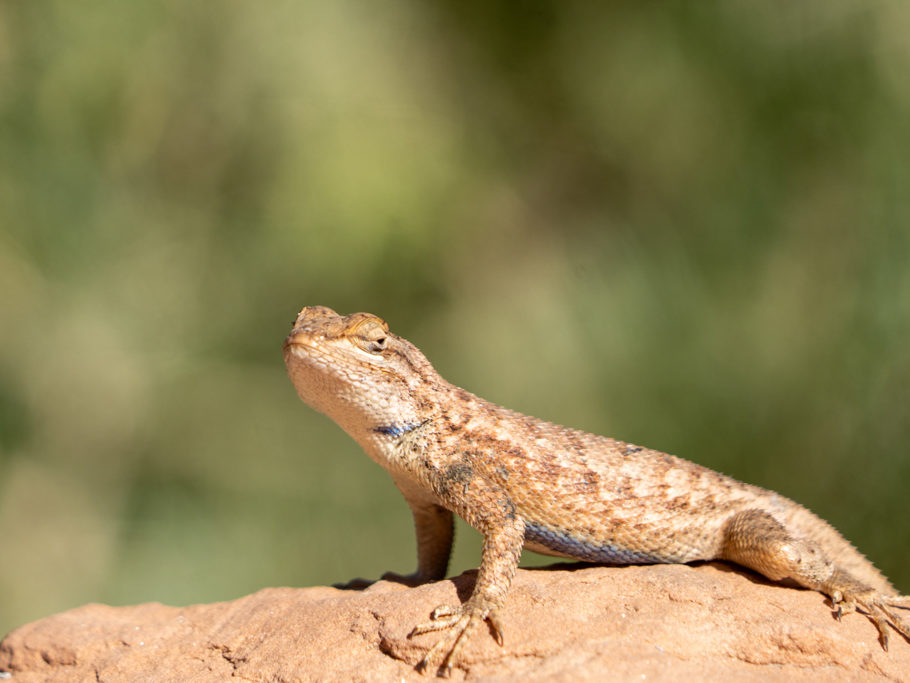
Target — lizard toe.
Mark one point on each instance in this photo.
(443, 617)
(900, 624)
(881, 623)
(495, 627)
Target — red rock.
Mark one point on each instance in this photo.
(665, 622)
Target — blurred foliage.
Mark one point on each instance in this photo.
(681, 224)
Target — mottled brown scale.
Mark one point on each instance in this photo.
(523, 482)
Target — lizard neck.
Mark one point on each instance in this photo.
(396, 438)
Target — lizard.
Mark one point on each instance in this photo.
(526, 483)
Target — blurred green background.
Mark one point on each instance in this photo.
(681, 224)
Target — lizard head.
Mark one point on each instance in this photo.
(354, 370)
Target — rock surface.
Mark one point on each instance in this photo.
(566, 622)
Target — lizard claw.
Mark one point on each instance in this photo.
(880, 609)
(463, 621)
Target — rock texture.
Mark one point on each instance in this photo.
(567, 622)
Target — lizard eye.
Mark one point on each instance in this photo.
(370, 333)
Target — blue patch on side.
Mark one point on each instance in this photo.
(397, 430)
(562, 542)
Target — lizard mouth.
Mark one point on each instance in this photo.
(297, 337)
(302, 351)
(298, 347)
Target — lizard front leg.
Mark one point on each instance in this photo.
(755, 539)
(486, 507)
(501, 552)
(435, 528)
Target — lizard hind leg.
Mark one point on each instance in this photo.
(755, 539)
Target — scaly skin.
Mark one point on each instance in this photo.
(523, 482)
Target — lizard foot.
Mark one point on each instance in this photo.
(879, 608)
(463, 620)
